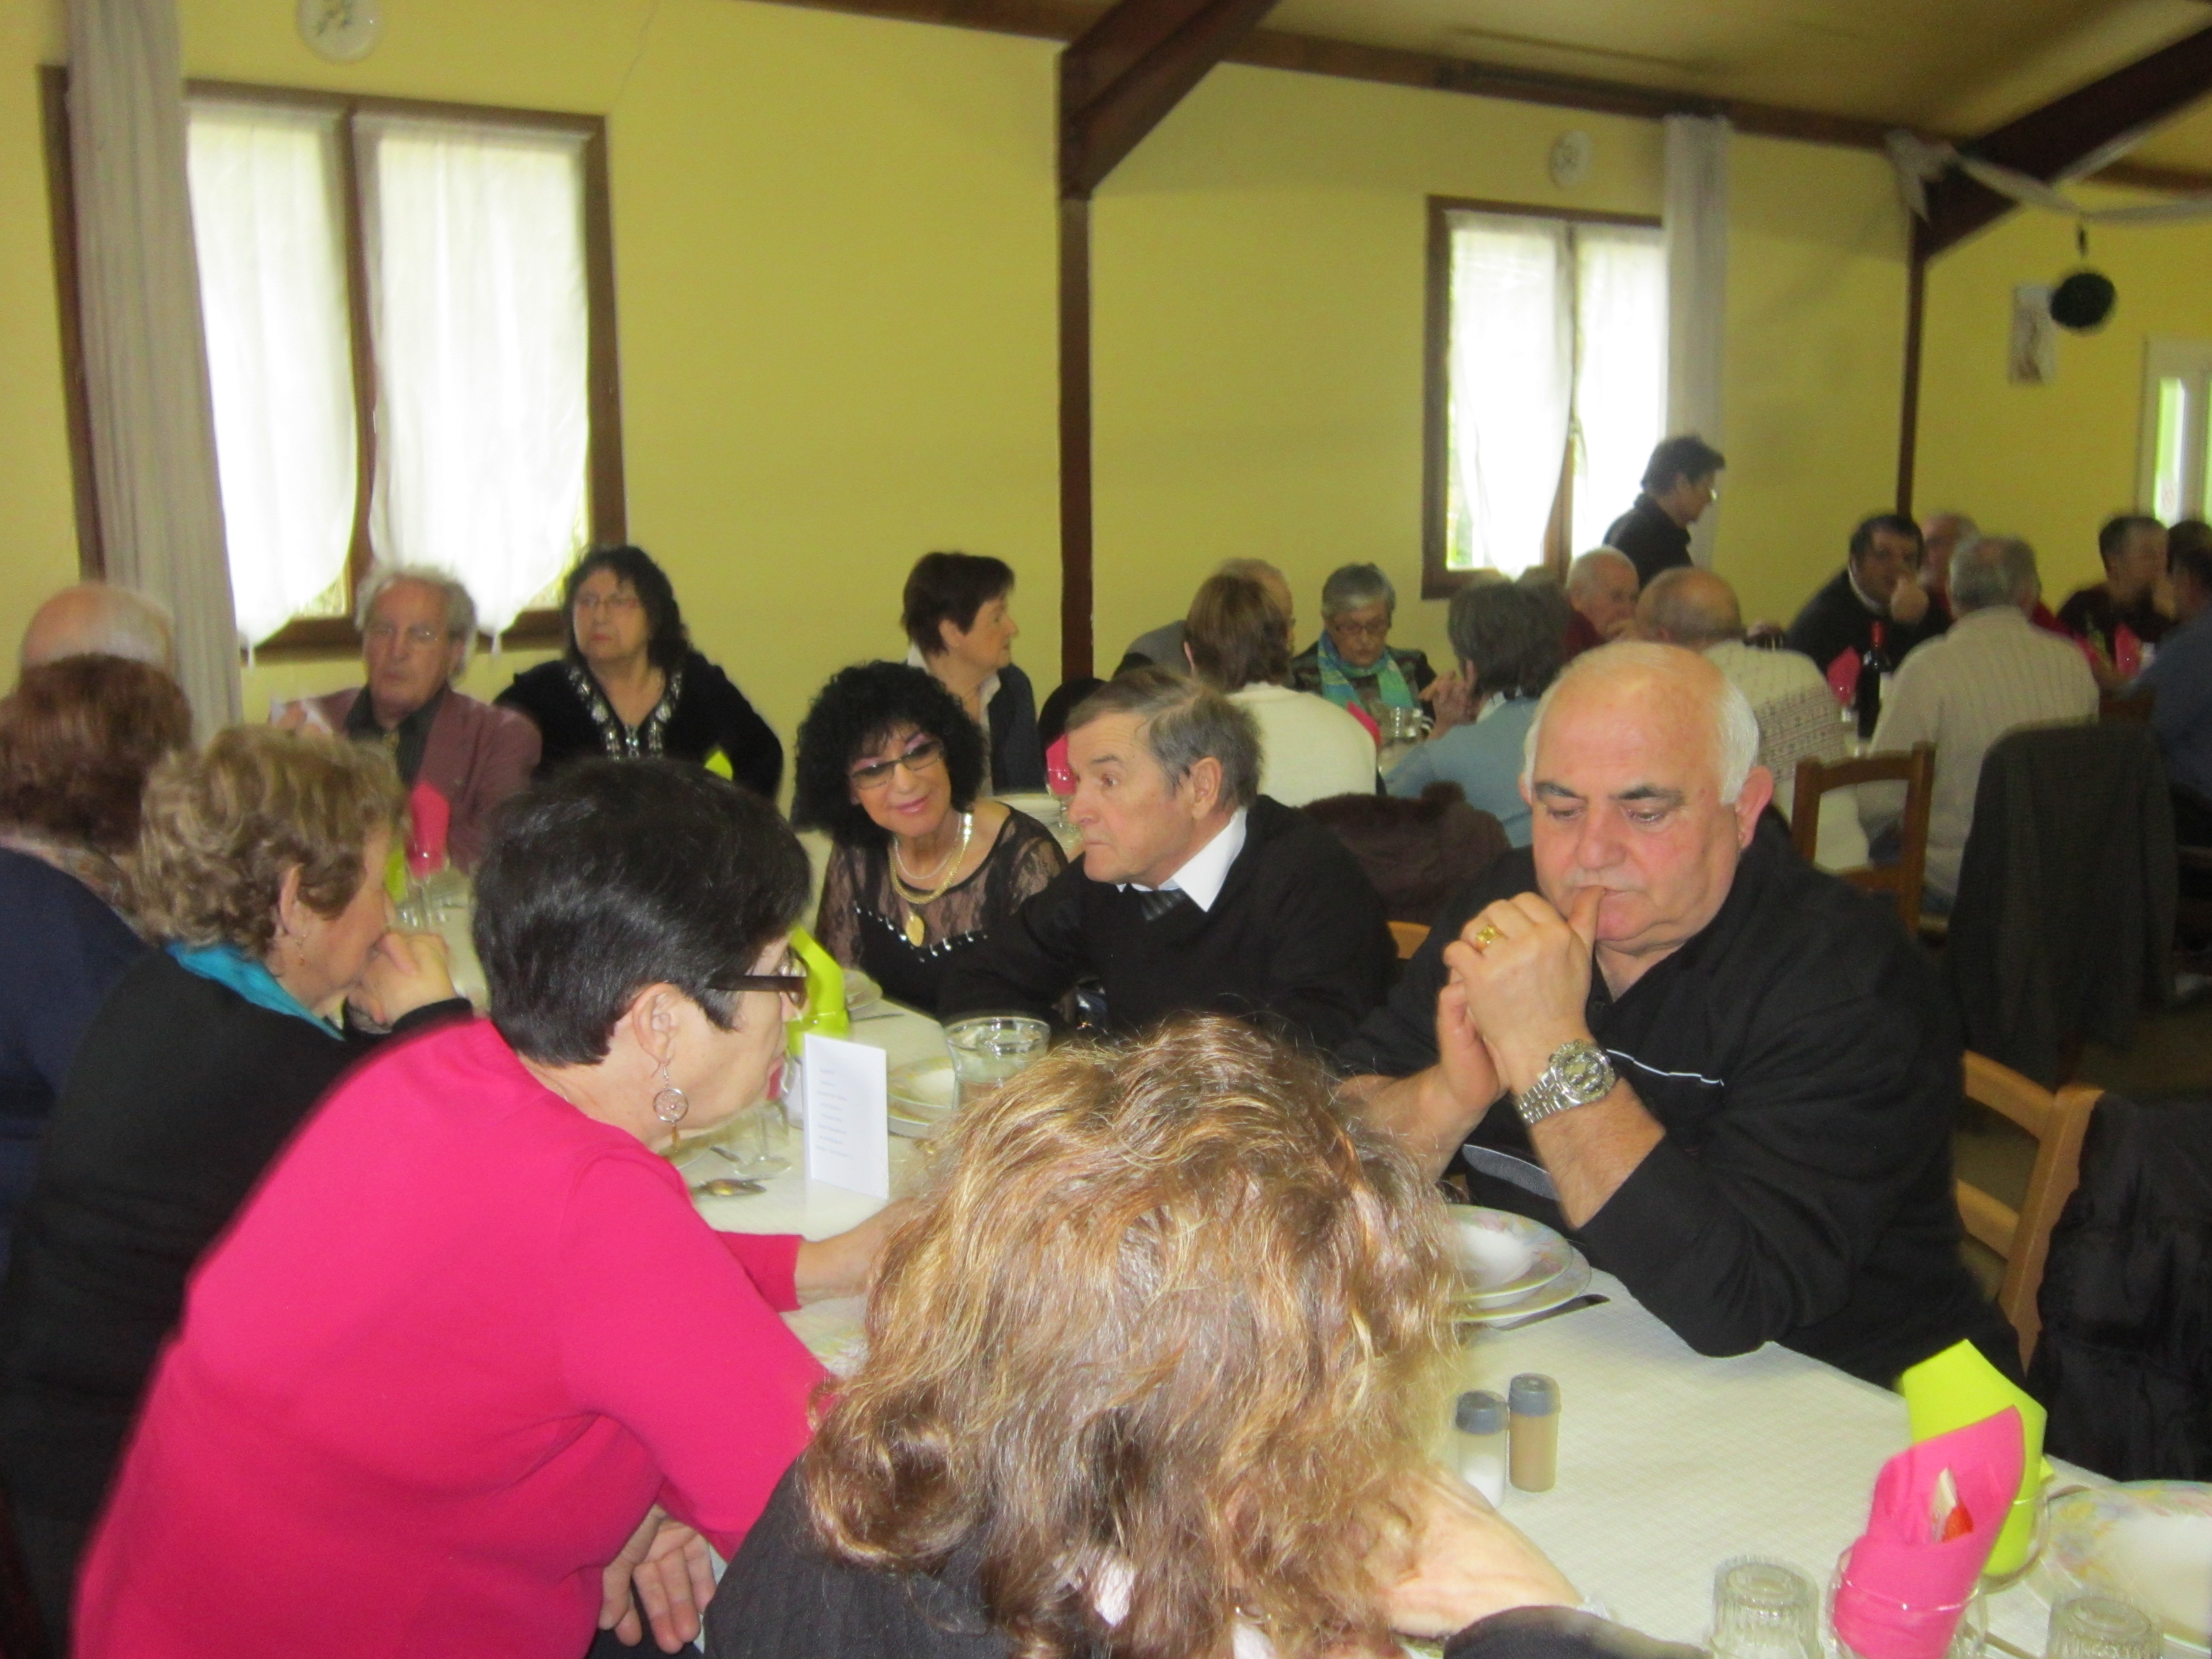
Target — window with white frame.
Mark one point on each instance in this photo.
(2176, 433)
(403, 335)
(1547, 375)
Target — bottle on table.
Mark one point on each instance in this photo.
(1479, 1423)
(1874, 670)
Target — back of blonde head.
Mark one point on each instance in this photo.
(222, 826)
(1164, 1309)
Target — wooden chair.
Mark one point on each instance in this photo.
(1917, 772)
(1408, 935)
(2136, 707)
(2023, 1237)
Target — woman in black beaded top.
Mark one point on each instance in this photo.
(891, 766)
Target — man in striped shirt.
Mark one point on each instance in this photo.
(1990, 674)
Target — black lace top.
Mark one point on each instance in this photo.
(862, 921)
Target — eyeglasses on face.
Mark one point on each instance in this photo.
(420, 635)
(613, 604)
(920, 756)
(788, 980)
(1377, 630)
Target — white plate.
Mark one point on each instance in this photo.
(1502, 1256)
(923, 1097)
(2148, 1542)
(1573, 1279)
(861, 993)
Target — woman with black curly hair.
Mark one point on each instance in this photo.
(891, 766)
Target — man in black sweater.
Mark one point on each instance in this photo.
(1878, 588)
(1734, 1073)
(1679, 485)
(1192, 891)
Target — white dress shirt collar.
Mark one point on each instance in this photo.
(1204, 871)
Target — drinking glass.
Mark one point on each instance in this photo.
(1763, 1610)
(2102, 1627)
(987, 1050)
(748, 1144)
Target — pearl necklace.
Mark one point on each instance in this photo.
(915, 931)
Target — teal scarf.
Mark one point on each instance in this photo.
(1389, 680)
(232, 968)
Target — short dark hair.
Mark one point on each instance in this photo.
(858, 708)
(77, 738)
(1182, 721)
(667, 640)
(1683, 456)
(1236, 635)
(2189, 548)
(1511, 634)
(950, 587)
(614, 875)
(1873, 524)
(2116, 529)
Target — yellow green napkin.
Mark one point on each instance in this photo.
(1958, 1387)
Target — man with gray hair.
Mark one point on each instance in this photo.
(416, 626)
(1194, 892)
(1732, 1078)
(1990, 674)
(1602, 589)
(93, 619)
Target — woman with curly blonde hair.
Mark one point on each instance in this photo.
(260, 863)
(1152, 1372)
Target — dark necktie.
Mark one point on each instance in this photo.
(1160, 902)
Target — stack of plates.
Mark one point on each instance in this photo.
(1510, 1266)
(923, 1096)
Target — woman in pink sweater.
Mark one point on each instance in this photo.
(470, 1343)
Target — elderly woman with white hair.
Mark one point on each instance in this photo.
(417, 626)
(1353, 663)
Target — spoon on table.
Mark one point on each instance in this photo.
(723, 1187)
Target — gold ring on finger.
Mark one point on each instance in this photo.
(1486, 935)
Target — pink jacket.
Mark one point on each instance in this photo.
(447, 1356)
(477, 756)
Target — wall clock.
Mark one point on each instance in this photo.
(342, 31)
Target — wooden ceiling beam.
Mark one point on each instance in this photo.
(2070, 137)
(1118, 79)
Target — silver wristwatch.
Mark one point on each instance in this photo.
(1579, 1074)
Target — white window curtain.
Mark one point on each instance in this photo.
(1620, 369)
(264, 192)
(1512, 367)
(1697, 212)
(477, 298)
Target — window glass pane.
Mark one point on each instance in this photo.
(271, 261)
(477, 298)
(1620, 369)
(2166, 487)
(1509, 367)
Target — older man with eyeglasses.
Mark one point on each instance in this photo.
(417, 626)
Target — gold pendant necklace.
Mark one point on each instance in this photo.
(916, 930)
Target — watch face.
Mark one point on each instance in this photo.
(1585, 1072)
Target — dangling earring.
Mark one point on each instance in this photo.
(671, 1103)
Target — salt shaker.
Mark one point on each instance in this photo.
(1480, 1418)
(1533, 1399)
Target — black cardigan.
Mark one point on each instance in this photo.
(182, 1095)
(784, 1598)
(1296, 941)
(710, 713)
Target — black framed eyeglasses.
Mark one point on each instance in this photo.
(790, 981)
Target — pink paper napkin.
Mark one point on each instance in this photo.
(1902, 1590)
(1844, 675)
(430, 817)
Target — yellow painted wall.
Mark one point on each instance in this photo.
(835, 270)
(2050, 462)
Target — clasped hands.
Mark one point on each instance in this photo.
(1518, 987)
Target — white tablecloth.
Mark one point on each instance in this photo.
(1669, 1462)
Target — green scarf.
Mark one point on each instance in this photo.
(1389, 680)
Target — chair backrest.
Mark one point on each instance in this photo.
(2023, 1237)
(1417, 853)
(1409, 936)
(1917, 772)
(2137, 706)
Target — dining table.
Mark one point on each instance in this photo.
(1670, 1462)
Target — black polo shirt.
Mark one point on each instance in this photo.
(1801, 1057)
(1653, 542)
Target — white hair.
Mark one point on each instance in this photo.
(460, 609)
(1584, 571)
(1733, 726)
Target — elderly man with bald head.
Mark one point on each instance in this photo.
(93, 619)
(1602, 589)
(1734, 1075)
